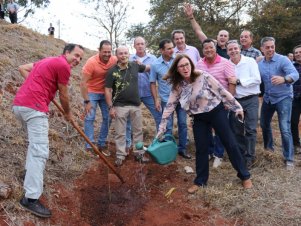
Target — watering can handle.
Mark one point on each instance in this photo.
(156, 140)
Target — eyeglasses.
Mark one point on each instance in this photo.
(232, 41)
(182, 66)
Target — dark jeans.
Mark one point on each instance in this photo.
(217, 119)
(13, 18)
(245, 133)
(2, 15)
(296, 112)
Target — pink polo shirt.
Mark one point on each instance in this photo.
(40, 86)
(221, 69)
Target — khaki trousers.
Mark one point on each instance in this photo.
(122, 114)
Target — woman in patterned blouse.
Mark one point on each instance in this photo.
(205, 100)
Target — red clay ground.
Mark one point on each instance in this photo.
(94, 199)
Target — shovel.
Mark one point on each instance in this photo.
(95, 149)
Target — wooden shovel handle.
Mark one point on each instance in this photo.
(95, 149)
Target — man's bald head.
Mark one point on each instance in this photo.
(122, 53)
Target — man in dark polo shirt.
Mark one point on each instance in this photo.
(222, 36)
(122, 97)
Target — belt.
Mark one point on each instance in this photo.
(247, 97)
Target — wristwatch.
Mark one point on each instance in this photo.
(110, 107)
(86, 101)
(286, 80)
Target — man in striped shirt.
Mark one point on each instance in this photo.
(221, 69)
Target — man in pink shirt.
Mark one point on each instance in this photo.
(222, 70)
(94, 74)
(43, 79)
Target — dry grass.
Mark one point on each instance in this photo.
(274, 200)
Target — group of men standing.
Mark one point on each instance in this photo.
(124, 82)
(118, 84)
(277, 74)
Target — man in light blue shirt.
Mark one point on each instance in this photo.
(158, 70)
(145, 94)
(278, 74)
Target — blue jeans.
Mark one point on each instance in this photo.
(128, 137)
(182, 125)
(97, 99)
(284, 111)
(150, 105)
(202, 124)
(216, 147)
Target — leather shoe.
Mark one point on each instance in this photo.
(35, 207)
(185, 155)
(193, 189)
(247, 184)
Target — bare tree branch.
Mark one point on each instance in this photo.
(111, 16)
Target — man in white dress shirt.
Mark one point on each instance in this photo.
(247, 82)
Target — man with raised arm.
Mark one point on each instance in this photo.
(222, 36)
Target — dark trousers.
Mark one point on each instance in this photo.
(296, 112)
(13, 18)
(2, 15)
(246, 132)
(217, 119)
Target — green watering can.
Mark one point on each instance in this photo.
(163, 151)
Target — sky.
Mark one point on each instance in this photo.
(73, 26)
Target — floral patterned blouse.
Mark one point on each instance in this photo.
(201, 96)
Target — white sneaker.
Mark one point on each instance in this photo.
(217, 162)
(289, 165)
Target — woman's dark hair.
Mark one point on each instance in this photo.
(174, 77)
